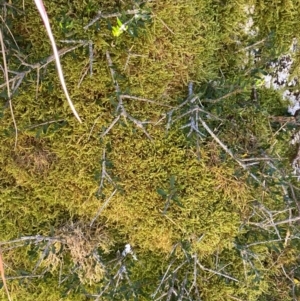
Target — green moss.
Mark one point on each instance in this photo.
(50, 181)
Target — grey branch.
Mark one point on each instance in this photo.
(103, 207)
(121, 111)
(100, 15)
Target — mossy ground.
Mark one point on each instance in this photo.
(50, 180)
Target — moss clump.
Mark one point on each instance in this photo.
(72, 195)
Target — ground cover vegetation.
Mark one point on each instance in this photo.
(177, 185)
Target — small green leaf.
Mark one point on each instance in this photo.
(176, 200)
(116, 31)
(172, 181)
(161, 192)
(119, 22)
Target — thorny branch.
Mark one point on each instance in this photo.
(91, 56)
(19, 76)
(269, 217)
(117, 274)
(120, 110)
(195, 120)
(172, 283)
(100, 15)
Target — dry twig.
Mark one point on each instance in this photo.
(8, 88)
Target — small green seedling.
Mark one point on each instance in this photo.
(119, 29)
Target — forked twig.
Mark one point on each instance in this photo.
(120, 107)
(19, 76)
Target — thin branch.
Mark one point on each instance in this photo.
(226, 149)
(104, 174)
(84, 73)
(8, 89)
(292, 281)
(164, 24)
(120, 107)
(39, 65)
(91, 56)
(113, 15)
(216, 272)
(36, 239)
(224, 96)
(286, 221)
(43, 255)
(270, 216)
(24, 277)
(102, 207)
(44, 123)
(235, 298)
(258, 159)
(251, 46)
(110, 126)
(195, 274)
(125, 96)
(162, 280)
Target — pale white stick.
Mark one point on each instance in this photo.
(40, 6)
